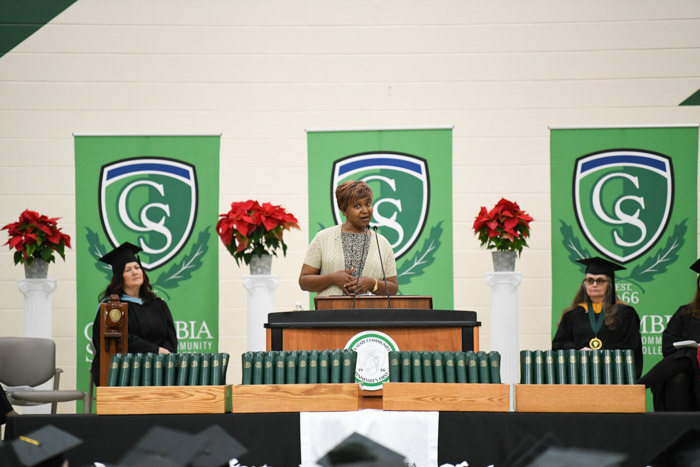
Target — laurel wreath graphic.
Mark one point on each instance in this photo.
(658, 262)
(645, 272)
(97, 251)
(183, 270)
(168, 280)
(423, 258)
(572, 245)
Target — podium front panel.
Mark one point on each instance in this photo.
(441, 330)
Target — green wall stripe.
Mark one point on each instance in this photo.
(694, 99)
(19, 20)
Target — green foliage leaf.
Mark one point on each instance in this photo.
(423, 258)
(658, 262)
(184, 269)
(573, 245)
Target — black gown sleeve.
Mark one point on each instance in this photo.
(629, 337)
(152, 327)
(170, 342)
(674, 332)
(564, 337)
(5, 406)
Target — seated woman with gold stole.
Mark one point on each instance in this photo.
(151, 326)
(596, 319)
(675, 380)
(345, 259)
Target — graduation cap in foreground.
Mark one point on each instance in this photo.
(164, 447)
(44, 447)
(684, 451)
(359, 451)
(121, 255)
(548, 452)
(696, 266)
(529, 448)
(220, 448)
(577, 457)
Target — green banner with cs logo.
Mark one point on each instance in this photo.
(410, 173)
(628, 195)
(160, 193)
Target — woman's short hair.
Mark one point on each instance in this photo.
(350, 191)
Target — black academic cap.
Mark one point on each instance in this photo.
(599, 265)
(529, 449)
(359, 451)
(8, 458)
(43, 447)
(577, 457)
(219, 449)
(166, 446)
(684, 451)
(121, 255)
(696, 266)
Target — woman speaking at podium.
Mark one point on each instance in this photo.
(345, 259)
(612, 324)
(151, 326)
(675, 380)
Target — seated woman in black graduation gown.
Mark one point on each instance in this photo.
(151, 326)
(612, 325)
(675, 380)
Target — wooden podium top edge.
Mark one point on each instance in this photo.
(376, 317)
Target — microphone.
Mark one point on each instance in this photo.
(386, 287)
(364, 247)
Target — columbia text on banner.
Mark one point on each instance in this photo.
(628, 195)
(160, 193)
(410, 173)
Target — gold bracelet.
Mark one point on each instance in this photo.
(376, 285)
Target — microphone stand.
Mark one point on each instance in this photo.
(386, 286)
(357, 284)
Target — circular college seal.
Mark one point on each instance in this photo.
(372, 349)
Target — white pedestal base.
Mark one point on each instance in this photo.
(504, 325)
(261, 301)
(38, 322)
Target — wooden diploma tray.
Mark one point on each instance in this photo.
(580, 398)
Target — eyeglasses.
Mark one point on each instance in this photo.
(600, 281)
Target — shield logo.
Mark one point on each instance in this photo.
(623, 201)
(151, 202)
(401, 189)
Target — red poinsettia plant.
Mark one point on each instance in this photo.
(505, 227)
(252, 229)
(35, 236)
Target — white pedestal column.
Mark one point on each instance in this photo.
(261, 301)
(504, 324)
(38, 322)
(37, 306)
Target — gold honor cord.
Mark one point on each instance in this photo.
(596, 323)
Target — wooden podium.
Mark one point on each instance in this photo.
(416, 328)
(345, 302)
(411, 329)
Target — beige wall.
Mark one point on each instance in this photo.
(260, 72)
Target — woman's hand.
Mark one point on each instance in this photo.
(340, 278)
(365, 284)
(163, 350)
